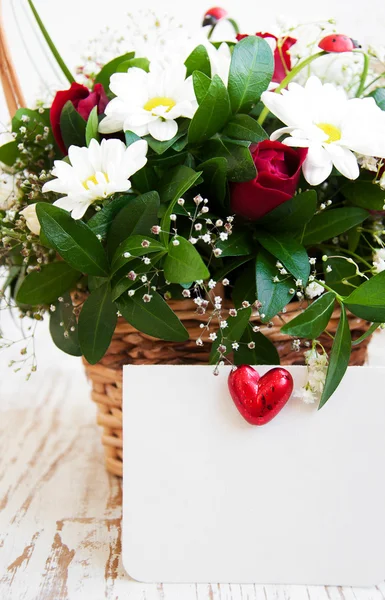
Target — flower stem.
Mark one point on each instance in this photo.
(297, 69)
(368, 85)
(364, 75)
(50, 43)
(329, 289)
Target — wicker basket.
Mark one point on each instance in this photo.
(130, 346)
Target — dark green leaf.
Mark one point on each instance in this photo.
(183, 263)
(110, 68)
(145, 180)
(379, 97)
(97, 324)
(161, 147)
(367, 333)
(134, 246)
(233, 333)
(154, 318)
(73, 240)
(212, 114)
(354, 236)
(245, 286)
(120, 283)
(92, 126)
(240, 164)
(312, 321)
(131, 138)
(368, 300)
(365, 194)
(339, 358)
(63, 327)
(230, 265)
(251, 70)
(46, 285)
(9, 153)
(136, 218)
(341, 270)
(292, 215)
(101, 221)
(214, 173)
(198, 60)
(201, 85)
(244, 127)
(239, 243)
(289, 252)
(264, 353)
(72, 126)
(331, 223)
(274, 296)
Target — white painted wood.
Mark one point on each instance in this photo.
(60, 511)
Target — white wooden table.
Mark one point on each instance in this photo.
(60, 511)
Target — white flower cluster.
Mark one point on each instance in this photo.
(317, 365)
(379, 260)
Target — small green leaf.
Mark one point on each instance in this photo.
(110, 68)
(312, 321)
(212, 114)
(368, 300)
(233, 333)
(201, 85)
(72, 126)
(251, 70)
(198, 60)
(292, 255)
(365, 194)
(154, 318)
(63, 327)
(73, 240)
(273, 296)
(132, 247)
(367, 334)
(161, 147)
(183, 263)
(139, 63)
(240, 164)
(330, 223)
(131, 138)
(9, 153)
(97, 324)
(46, 285)
(264, 353)
(339, 358)
(120, 283)
(293, 214)
(244, 127)
(92, 126)
(100, 222)
(239, 243)
(379, 97)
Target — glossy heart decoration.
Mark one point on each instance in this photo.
(259, 399)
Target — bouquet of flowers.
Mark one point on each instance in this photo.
(249, 170)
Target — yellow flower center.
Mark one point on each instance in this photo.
(333, 133)
(159, 101)
(93, 180)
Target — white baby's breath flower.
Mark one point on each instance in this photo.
(8, 191)
(323, 119)
(379, 260)
(150, 103)
(317, 364)
(313, 290)
(94, 173)
(30, 216)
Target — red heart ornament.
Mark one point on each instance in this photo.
(259, 399)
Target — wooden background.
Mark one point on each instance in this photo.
(60, 511)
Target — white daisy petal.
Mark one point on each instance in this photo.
(317, 166)
(344, 161)
(163, 130)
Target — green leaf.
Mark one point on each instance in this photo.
(214, 173)
(92, 126)
(72, 126)
(131, 138)
(139, 63)
(244, 127)
(101, 221)
(63, 327)
(251, 70)
(229, 265)
(183, 263)
(379, 97)
(239, 243)
(134, 246)
(120, 283)
(136, 218)
(292, 255)
(245, 286)
(368, 300)
(198, 60)
(9, 153)
(46, 285)
(365, 194)
(233, 333)
(154, 318)
(161, 147)
(367, 333)
(273, 296)
(73, 240)
(212, 114)
(201, 85)
(110, 68)
(293, 214)
(354, 236)
(341, 270)
(240, 164)
(339, 358)
(330, 223)
(312, 321)
(264, 353)
(145, 180)
(97, 324)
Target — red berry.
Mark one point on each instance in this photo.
(337, 42)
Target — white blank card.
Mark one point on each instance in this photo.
(210, 498)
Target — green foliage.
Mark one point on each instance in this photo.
(245, 286)
(289, 252)
(100, 222)
(201, 85)
(330, 223)
(368, 300)
(312, 321)
(264, 353)
(92, 126)
(292, 215)
(72, 126)
(110, 68)
(139, 63)
(365, 194)
(183, 263)
(273, 295)
(46, 285)
(97, 323)
(244, 127)
(233, 333)
(198, 60)
(214, 173)
(239, 243)
(132, 247)
(9, 153)
(63, 327)
(212, 114)
(379, 96)
(342, 276)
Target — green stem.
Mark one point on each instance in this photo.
(364, 75)
(368, 85)
(329, 289)
(50, 43)
(297, 69)
(346, 251)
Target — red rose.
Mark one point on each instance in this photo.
(282, 59)
(279, 169)
(83, 101)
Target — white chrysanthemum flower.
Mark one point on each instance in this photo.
(150, 103)
(333, 127)
(379, 260)
(95, 173)
(313, 290)
(30, 216)
(220, 59)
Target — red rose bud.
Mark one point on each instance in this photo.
(337, 43)
(279, 169)
(83, 101)
(213, 15)
(282, 58)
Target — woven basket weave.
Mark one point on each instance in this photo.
(130, 346)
